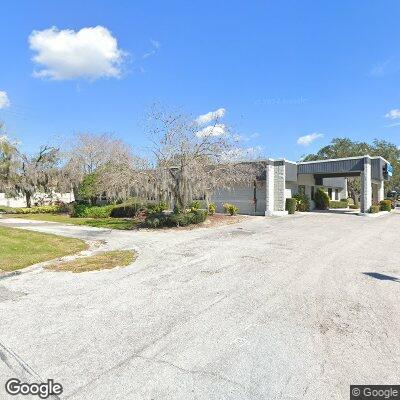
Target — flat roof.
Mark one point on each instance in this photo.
(342, 159)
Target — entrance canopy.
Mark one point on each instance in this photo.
(372, 170)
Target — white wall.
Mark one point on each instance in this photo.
(20, 201)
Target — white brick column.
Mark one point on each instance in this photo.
(366, 186)
(381, 191)
(280, 200)
(270, 186)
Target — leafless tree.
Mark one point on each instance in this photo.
(8, 161)
(190, 161)
(89, 153)
(36, 173)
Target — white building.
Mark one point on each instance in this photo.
(282, 179)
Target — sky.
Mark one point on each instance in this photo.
(287, 77)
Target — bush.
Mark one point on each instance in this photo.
(339, 204)
(194, 205)
(212, 208)
(156, 207)
(199, 216)
(38, 210)
(321, 199)
(230, 209)
(126, 210)
(85, 211)
(374, 209)
(303, 202)
(159, 220)
(290, 206)
(87, 189)
(385, 205)
(353, 207)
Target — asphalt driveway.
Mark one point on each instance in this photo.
(271, 308)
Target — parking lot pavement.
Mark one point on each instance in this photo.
(271, 308)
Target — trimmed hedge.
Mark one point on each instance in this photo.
(290, 205)
(160, 220)
(126, 210)
(353, 207)
(321, 199)
(374, 209)
(339, 204)
(85, 211)
(385, 205)
(38, 210)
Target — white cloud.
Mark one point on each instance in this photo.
(4, 101)
(247, 138)
(308, 139)
(210, 116)
(242, 154)
(212, 130)
(156, 46)
(393, 114)
(89, 53)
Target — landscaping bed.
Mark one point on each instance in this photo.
(126, 216)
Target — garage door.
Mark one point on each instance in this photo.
(243, 198)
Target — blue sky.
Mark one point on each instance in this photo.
(281, 70)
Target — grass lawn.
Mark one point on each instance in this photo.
(20, 248)
(106, 260)
(111, 223)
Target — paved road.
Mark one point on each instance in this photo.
(276, 308)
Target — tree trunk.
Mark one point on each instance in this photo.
(28, 198)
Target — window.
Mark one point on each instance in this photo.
(337, 194)
(330, 193)
(312, 192)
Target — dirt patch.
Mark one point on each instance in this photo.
(96, 262)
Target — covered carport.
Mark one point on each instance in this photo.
(373, 172)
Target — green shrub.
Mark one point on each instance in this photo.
(230, 209)
(353, 207)
(212, 208)
(126, 210)
(38, 210)
(290, 206)
(321, 199)
(350, 201)
(338, 204)
(156, 207)
(303, 202)
(87, 189)
(159, 220)
(199, 216)
(374, 209)
(194, 205)
(385, 205)
(85, 211)
(182, 219)
(153, 221)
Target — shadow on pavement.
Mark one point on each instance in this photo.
(382, 277)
